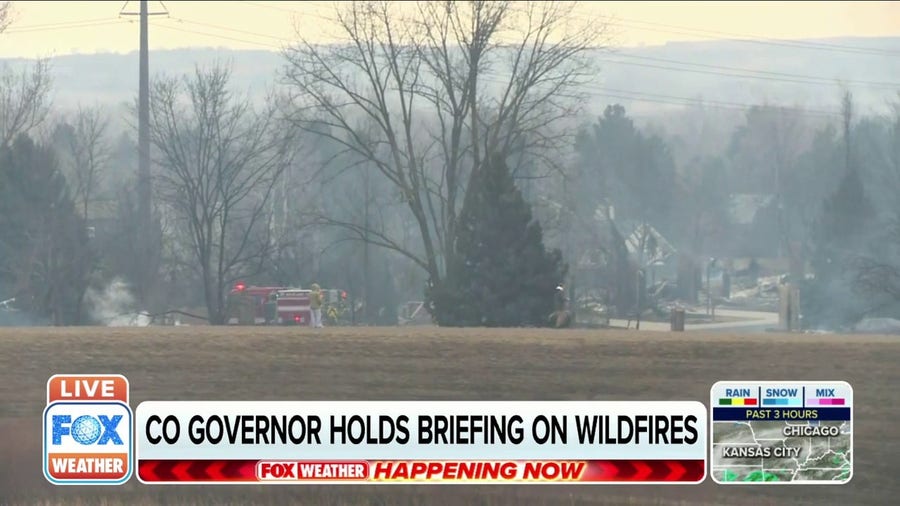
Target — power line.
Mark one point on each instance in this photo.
(824, 46)
(681, 30)
(636, 96)
(715, 73)
(743, 73)
(292, 11)
(187, 30)
(112, 21)
(786, 77)
(601, 92)
(872, 52)
(768, 75)
(284, 9)
(744, 38)
(58, 23)
(164, 12)
(716, 103)
(639, 96)
(688, 102)
(257, 4)
(713, 34)
(813, 79)
(219, 27)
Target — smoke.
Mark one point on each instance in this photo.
(115, 306)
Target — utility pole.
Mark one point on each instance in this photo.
(639, 278)
(710, 307)
(144, 194)
(367, 289)
(143, 176)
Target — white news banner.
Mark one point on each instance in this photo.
(421, 442)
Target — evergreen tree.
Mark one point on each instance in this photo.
(45, 258)
(838, 238)
(845, 216)
(500, 275)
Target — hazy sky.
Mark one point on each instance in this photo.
(56, 28)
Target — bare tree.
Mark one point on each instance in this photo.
(5, 15)
(23, 96)
(85, 152)
(219, 161)
(85, 146)
(23, 100)
(876, 276)
(443, 88)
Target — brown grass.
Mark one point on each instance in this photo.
(412, 363)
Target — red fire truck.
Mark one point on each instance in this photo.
(268, 305)
(292, 306)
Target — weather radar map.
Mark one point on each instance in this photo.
(781, 432)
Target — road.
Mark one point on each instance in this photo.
(750, 321)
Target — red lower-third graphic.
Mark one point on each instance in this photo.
(420, 471)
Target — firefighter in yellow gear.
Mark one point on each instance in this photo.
(315, 305)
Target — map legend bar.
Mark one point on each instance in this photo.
(737, 402)
(800, 433)
(782, 402)
(825, 402)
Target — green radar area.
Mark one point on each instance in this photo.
(757, 475)
(781, 432)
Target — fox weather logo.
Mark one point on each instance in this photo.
(87, 429)
(88, 443)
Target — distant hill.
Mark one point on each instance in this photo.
(710, 80)
(650, 71)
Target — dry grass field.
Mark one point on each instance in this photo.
(412, 363)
